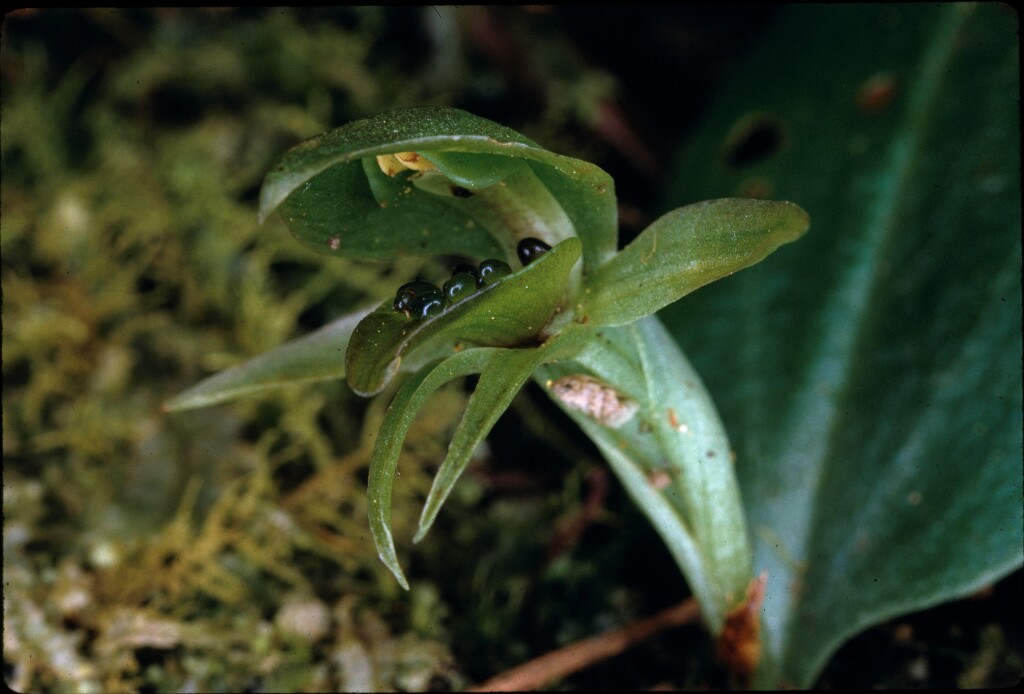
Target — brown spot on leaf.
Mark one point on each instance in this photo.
(739, 643)
(659, 479)
(673, 421)
(876, 93)
(756, 188)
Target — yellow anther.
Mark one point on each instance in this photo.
(415, 161)
(392, 164)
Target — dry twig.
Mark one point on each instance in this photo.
(582, 654)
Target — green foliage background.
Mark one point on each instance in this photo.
(227, 549)
(870, 374)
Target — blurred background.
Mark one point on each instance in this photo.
(227, 549)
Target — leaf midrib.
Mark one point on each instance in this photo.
(847, 312)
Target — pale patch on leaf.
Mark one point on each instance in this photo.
(595, 399)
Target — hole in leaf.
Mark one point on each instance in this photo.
(752, 140)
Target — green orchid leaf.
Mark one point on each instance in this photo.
(499, 382)
(634, 394)
(684, 250)
(399, 416)
(475, 171)
(869, 376)
(510, 312)
(319, 356)
(322, 189)
(342, 212)
(503, 373)
(518, 207)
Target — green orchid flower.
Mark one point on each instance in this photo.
(551, 298)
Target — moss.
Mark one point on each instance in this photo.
(154, 551)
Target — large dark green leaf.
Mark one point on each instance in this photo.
(509, 312)
(684, 250)
(869, 375)
(325, 197)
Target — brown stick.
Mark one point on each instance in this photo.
(559, 664)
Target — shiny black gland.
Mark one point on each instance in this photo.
(427, 304)
(465, 267)
(410, 291)
(529, 249)
(491, 270)
(461, 286)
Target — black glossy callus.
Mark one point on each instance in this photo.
(529, 249)
(492, 270)
(409, 291)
